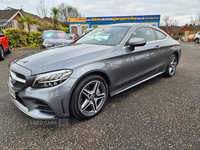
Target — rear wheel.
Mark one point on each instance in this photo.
(1, 53)
(9, 49)
(171, 67)
(196, 41)
(89, 97)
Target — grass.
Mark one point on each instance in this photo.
(24, 47)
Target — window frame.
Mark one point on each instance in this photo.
(157, 35)
(125, 44)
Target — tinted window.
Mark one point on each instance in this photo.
(160, 35)
(145, 33)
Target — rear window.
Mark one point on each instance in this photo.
(71, 35)
(160, 35)
(55, 35)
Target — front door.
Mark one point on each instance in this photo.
(144, 61)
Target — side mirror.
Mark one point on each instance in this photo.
(134, 42)
(39, 37)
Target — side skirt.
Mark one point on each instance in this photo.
(130, 86)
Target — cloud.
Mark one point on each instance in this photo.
(179, 9)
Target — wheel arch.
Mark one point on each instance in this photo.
(94, 72)
(177, 55)
(1, 46)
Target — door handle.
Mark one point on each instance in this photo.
(157, 46)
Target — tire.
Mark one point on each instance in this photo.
(9, 49)
(171, 67)
(196, 41)
(89, 97)
(40, 46)
(1, 53)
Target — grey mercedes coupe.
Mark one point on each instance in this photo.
(77, 79)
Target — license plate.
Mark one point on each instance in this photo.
(12, 93)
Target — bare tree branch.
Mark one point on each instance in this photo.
(67, 11)
(167, 21)
(42, 9)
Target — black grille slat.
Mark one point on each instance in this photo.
(43, 107)
(16, 82)
(20, 76)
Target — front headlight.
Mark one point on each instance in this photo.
(48, 45)
(51, 79)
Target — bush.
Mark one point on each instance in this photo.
(13, 35)
(19, 38)
(65, 29)
(33, 38)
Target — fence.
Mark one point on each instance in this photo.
(4, 24)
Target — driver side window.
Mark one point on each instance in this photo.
(145, 33)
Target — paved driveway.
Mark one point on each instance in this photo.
(163, 113)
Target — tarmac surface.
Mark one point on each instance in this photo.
(162, 113)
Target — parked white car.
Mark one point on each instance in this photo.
(197, 38)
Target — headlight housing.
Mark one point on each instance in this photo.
(48, 45)
(51, 79)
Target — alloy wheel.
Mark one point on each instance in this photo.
(172, 66)
(92, 98)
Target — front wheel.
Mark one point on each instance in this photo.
(196, 41)
(1, 53)
(89, 97)
(171, 67)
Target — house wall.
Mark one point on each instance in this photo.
(16, 17)
(185, 28)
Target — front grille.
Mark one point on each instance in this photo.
(17, 80)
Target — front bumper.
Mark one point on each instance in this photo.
(44, 103)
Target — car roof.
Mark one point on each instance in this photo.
(53, 31)
(131, 24)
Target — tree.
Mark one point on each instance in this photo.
(197, 18)
(21, 21)
(67, 11)
(174, 23)
(55, 14)
(167, 21)
(42, 9)
(29, 21)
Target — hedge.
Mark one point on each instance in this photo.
(20, 38)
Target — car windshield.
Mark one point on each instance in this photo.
(71, 35)
(104, 36)
(55, 35)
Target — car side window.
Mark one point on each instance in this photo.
(160, 35)
(145, 33)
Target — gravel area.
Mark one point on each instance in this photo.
(162, 113)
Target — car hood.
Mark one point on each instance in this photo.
(64, 57)
(57, 41)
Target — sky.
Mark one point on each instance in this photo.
(180, 10)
